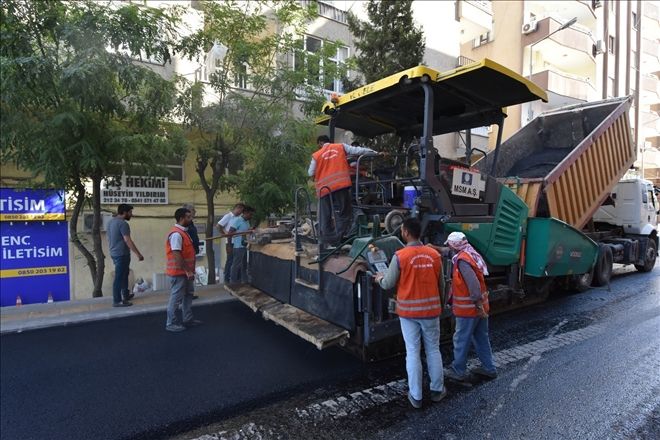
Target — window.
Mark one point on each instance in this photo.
(635, 24)
(308, 57)
(610, 86)
(482, 39)
(610, 44)
(175, 168)
(634, 62)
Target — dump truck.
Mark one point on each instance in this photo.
(534, 229)
(567, 165)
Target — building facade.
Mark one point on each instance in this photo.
(577, 51)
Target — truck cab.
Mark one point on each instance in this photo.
(632, 206)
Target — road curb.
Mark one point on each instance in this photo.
(101, 315)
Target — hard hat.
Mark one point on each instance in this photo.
(455, 237)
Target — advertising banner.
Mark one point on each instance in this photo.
(34, 247)
(31, 204)
(135, 190)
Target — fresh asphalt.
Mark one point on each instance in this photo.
(129, 378)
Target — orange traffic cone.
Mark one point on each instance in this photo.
(50, 297)
(19, 302)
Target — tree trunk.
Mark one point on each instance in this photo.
(96, 237)
(73, 229)
(210, 227)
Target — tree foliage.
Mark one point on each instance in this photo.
(389, 42)
(76, 106)
(248, 137)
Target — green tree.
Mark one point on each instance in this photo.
(258, 71)
(387, 43)
(77, 106)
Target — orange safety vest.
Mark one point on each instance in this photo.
(332, 169)
(463, 306)
(418, 294)
(187, 252)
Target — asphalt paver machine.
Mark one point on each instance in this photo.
(328, 297)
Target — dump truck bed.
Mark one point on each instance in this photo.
(565, 162)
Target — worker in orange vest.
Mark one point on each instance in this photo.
(470, 307)
(415, 271)
(331, 172)
(180, 253)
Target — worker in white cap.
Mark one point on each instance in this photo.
(469, 297)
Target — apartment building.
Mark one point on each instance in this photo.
(577, 51)
(649, 132)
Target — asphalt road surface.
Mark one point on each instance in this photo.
(579, 366)
(129, 378)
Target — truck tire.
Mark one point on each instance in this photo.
(603, 268)
(581, 283)
(649, 257)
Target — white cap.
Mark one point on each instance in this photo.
(455, 237)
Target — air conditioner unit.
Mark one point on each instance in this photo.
(598, 48)
(529, 27)
(88, 221)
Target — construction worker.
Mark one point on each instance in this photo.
(239, 225)
(331, 172)
(470, 306)
(415, 271)
(180, 253)
(223, 227)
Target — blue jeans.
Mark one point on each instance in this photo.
(120, 284)
(474, 330)
(414, 331)
(230, 258)
(181, 293)
(239, 266)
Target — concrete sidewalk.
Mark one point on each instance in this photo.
(38, 316)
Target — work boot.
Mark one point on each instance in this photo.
(129, 297)
(175, 328)
(417, 404)
(483, 372)
(437, 396)
(452, 374)
(192, 323)
(122, 304)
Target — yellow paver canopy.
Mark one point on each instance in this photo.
(467, 97)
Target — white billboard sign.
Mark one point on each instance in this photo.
(135, 190)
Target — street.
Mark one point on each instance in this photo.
(579, 366)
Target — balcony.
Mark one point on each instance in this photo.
(475, 18)
(563, 9)
(650, 47)
(328, 11)
(570, 49)
(564, 84)
(650, 85)
(650, 10)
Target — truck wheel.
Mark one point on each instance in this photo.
(603, 268)
(581, 283)
(649, 258)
